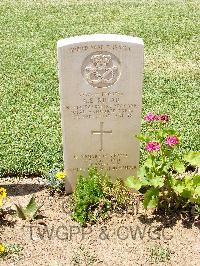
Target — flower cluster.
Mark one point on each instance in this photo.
(152, 146)
(60, 175)
(3, 195)
(55, 180)
(153, 117)
(163, 177)
(2, 249)
(170, 140)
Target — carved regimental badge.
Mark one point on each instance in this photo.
(101, 69)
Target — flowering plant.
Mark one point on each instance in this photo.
(7, 250)
(163, 175)
(3, 194)
(55, 180)
(2, 249)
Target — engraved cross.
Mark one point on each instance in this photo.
(101, 132)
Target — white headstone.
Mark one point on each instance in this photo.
(101, 79)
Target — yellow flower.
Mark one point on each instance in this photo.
(60, 175)
(2, 249)
(3, 192)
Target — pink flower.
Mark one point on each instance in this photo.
(152, 146)
(163, 118)
(172, 140)
(150, 117)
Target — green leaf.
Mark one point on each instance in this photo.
(193, 158)
(169, 131)
(31, 207)
(186, 194)
(149, 162)
(20, 212)
(179, 166)
(188, 182)
(151, 198)
(157, 181)
(133, 182)
(197, 191)
(188, 179)
(196, 180)
(142, 138)
(29, 212)
(166, 167)
(141, 172)
(145, 181)
(160, 134)
(172, 181)
(179, 187)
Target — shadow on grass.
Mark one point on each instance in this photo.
(22, 189)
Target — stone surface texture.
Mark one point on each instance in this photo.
(100, 79)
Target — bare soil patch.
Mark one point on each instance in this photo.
(54, 239)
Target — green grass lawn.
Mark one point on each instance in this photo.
(30, 131)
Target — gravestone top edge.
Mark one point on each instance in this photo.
(99, 38)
